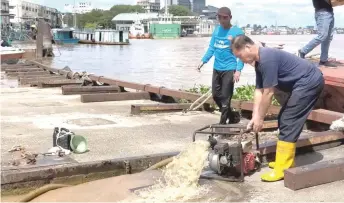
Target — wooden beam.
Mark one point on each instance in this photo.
(56, 83)
(305, 140)
(85, 98)
(26, 81)
(11, 67)
(73, 90)
(314, 174)
(325, 116)
(23, 70)
(138, 108)
(39, 39)
(22, 74)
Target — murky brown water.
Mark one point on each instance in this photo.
(169, 63)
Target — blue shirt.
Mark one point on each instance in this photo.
(285, 71)
(220, 47)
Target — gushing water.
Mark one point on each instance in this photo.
(180, 177)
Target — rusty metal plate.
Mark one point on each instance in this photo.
(85, 98)
(314, 174)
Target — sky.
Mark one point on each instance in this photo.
(293, 13)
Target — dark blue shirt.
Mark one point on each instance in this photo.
(283, 70)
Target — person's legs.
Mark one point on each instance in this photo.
(323, 20)
(227, 87)
(216, 88)
(291, 120)
(325, 45)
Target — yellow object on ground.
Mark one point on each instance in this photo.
(285, 157)
(272, 165)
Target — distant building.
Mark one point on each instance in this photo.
(124, 21)
(5, 13)
(210, 12)
(185, 3)
(197, 6)
(150, 6)
(80, 7)
(23, 12)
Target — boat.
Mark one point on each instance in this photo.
(64, 36)
(165, 28)
(11, 54)
(137, 31)
(102, 43)
(103, 37)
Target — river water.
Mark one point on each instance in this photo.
(168, 63)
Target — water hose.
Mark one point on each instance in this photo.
(39, 191)
(160, 164)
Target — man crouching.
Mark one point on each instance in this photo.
(282, 70)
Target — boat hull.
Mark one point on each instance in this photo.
(103, 43)
(67, 41)
(9, 56)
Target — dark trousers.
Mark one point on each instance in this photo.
(222, 89)
(297, 108)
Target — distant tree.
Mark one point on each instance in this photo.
(259, 27)
(177, 10)
(254, 27)
(103, 18)
(265, 26)
(248, 25)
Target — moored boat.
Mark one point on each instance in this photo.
(64, 36)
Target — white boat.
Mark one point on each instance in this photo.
(137, 31)
(11, 53)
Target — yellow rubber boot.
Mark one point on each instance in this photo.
(272, 164)
(285, 156)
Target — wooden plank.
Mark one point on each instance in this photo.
(318, 115)
(25, 81)
(23, 70)
(11, 67)
(325, 116)
(248, 106)
(85, 98)
(72, 90)
(314, 174)
(305, 140)
(21, 74)
(56, 83)
(138, 108)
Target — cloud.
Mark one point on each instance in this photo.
(267, 12)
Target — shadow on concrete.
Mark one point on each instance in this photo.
(308, 158)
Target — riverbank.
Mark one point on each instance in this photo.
(112, 132)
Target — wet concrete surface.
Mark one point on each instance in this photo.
(29, 115)
(121, 188)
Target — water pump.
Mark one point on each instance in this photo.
(229, 160)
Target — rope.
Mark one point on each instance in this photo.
(192, 108)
